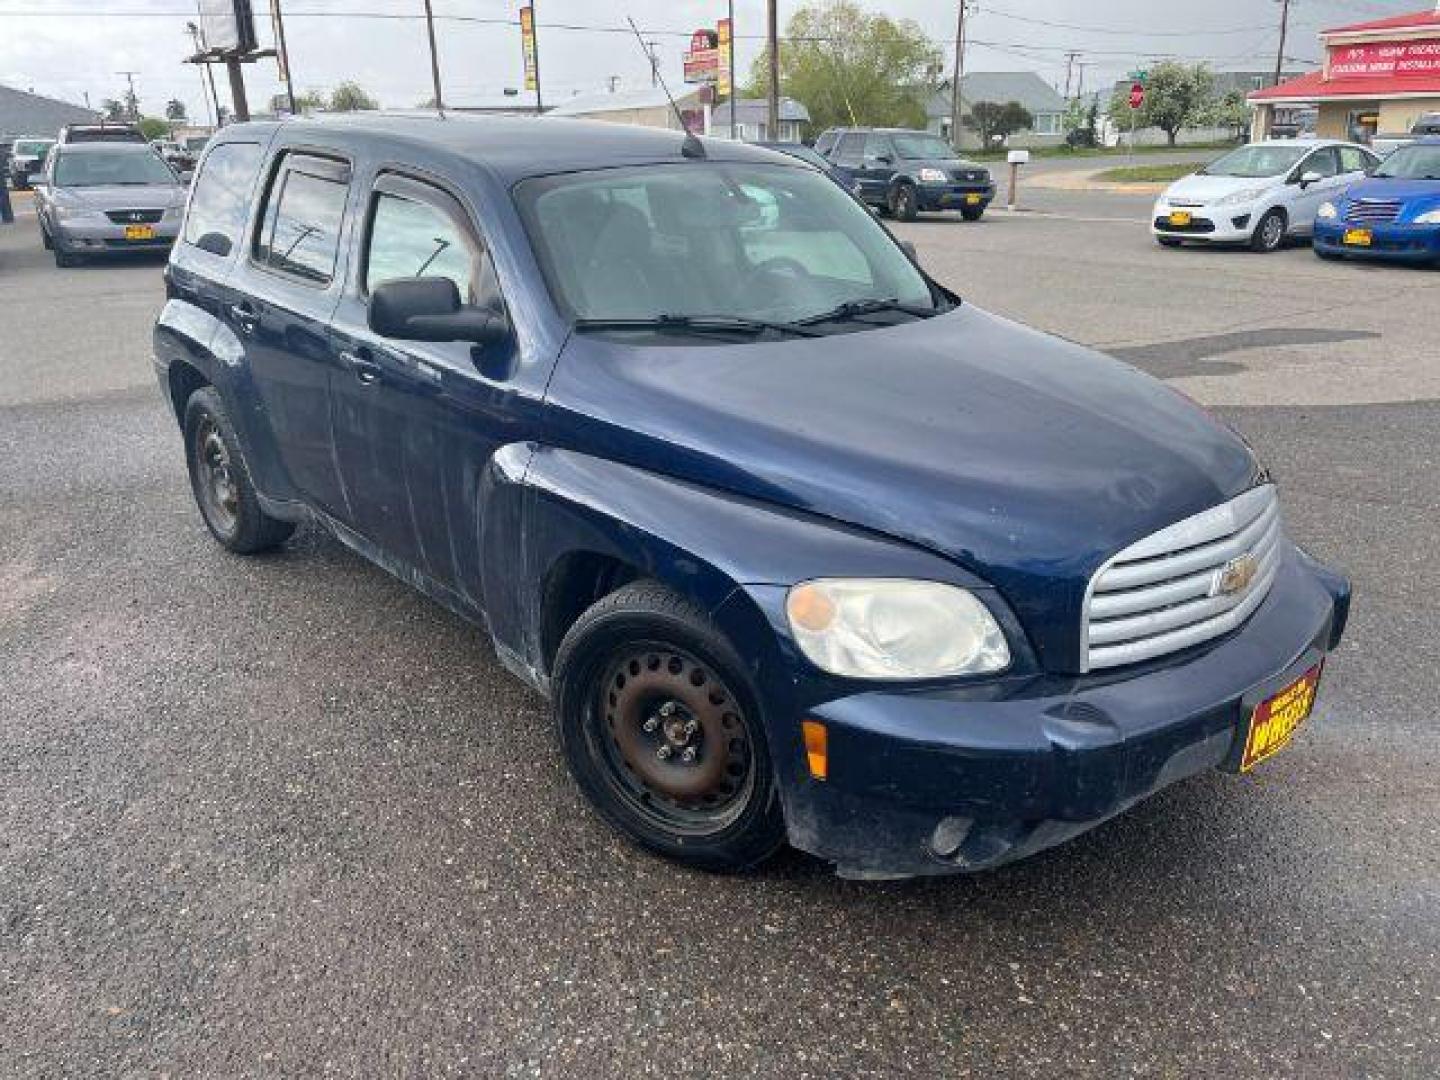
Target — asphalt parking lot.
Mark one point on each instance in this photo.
(284, 816)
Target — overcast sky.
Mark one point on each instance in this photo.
(68, 48)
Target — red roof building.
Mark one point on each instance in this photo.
(1378, 78)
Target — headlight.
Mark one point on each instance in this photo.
(174, 210)
(1327, 211)
(887, 628)
(72, 213)
(1243, 196)
(932, 176)
(1430, 217)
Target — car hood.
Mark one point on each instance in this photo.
(948, 164)
(124, 196)
(1026, 459)
(1209, 188)
(1380, 187)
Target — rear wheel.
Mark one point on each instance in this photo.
(661, 729)
(1269, 235)
(221, 483)
(973, 213)
(904, 203)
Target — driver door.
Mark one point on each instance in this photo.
(1306, 200)
(415, 422)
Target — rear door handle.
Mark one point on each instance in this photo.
(365, 370)
(246, 317)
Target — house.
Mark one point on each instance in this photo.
(752, 120)
(23, 113)
(647, 108)
(1040, 98)
(1377, 79)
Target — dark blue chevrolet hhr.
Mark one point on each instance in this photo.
(800, 546)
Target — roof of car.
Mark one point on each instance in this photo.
(511, 147)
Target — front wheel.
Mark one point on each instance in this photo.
(1269, 235)
(221, 482)
(904, 203)
(1167, 241)
(661, 729)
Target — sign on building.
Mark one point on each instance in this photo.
(527, 46)
(702, 62)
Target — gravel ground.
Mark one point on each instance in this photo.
(283, 816)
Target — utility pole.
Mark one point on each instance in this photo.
(730, 62)
(957, 103)
(132, 103)
(1070, 58)
(1280, 52)
(284, 55)
(434, 56)
(772, 42)
(194, 32)
(535, 39)
(650, 48)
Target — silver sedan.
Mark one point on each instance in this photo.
(103, 198)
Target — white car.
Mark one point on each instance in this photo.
(1259, 194)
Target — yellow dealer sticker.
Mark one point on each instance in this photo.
(1274, 721)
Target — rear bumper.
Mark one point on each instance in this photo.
(1395, 243)
(952, 780)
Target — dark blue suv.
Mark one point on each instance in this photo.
(903, 172)
(798, 544)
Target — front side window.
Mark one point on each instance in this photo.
(1353, 159)
(411, 239)
(711, 241)
(300, 234)
(1255, 162)
(850, 149)
(220, 205)
(1325, 162)
(99, 168)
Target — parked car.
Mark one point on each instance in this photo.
(102, 198)
(27, 159)
(176, 156)
(1260, 194)
(903, 172)
(813, 157)
(798, 543)
(1394, 214)
(107, 131)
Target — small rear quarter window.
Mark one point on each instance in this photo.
(224, 191)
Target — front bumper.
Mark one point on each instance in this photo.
(963, 779)
(933, 197)
(1209, 224)
(101, 238)
(1396, 243)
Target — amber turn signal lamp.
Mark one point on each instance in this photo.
(816, 749)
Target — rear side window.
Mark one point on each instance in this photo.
(300, 231)
(220, 205)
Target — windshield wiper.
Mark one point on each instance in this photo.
(698, 324)
(853, 309)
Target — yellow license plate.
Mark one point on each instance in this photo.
(1275, 720)
(139, 232)
(1359, 237)
(973, 200)
(1181, 218)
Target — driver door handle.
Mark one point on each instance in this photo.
(246, 317)
(365, 370)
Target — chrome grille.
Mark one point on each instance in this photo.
(970, 176)
(134, 217)
(1373, 211)
(1175, 588)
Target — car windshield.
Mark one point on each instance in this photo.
(32, 147)
(712, 241)
(1257, 161)
(1412, 163)
(921, 147)
(96, 168)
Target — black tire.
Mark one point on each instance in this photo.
(970, 214)
(220, 480)
(1269, 234)
(64, 258)
(904, 203)
(1167, 241)
(45, 241)
(642, 674)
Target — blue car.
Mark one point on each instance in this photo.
(1394, 214)
(798, 544)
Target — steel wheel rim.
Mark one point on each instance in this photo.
(220, 495)
(675, 741)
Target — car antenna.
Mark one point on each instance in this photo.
(691, 147)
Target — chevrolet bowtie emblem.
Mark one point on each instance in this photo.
(1235, 576)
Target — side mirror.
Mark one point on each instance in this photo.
(884, 159)
(1308, 178)
(429, 309)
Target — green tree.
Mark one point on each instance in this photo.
(1230, 111)
(152, 127)
(351, 97)
(175, 110)
(1176, 96)
(849, 66)
(311, 101)
(1081, 123)
(996, 122)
